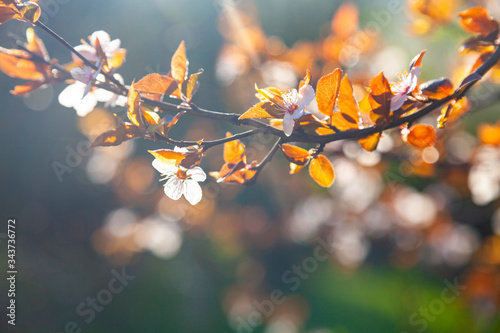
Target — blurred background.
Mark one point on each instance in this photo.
(406, 240)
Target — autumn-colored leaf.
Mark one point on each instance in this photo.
(421, 136)
(468, 81)
(179, 64)
(269, 94)
(327, 90)
(453, 111)
(481, 60)
(348, 116)
(295, 168)
(18, 64)
(437, 89)
(31, 11)
(168, 156)
(116, 136)
(8, 12)
(192, 84)
(260, 110)
(380, 99)
(489, 134)
(477, 20)
(168, 122)
(306, 80)
(35, 44)
(370, 142)
(155, 85)
(233, 150)
(26, 88)
(310, 124)
(321, 171)
(134, 111)
(295, 154)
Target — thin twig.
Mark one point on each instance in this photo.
(79, 55)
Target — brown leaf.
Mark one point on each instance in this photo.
(477, 20)
(321, 171)
(179, 64)
(437, 89)
(295, 154)
(370, 142)
(116, 136)
(348, 117)
(156, 85)
(421, 136)
(380, 99)
(260, 110)
(327, 90)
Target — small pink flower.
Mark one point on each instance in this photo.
(408, 83)
(293, 107)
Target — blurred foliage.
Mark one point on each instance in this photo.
(400, 229)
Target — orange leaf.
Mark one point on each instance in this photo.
(192, 85)
(327, 90)
(233, 150)
(17, 64)
(168, 156)
(31, 12)
(477, 20)
(380, 98)
(295, 168)
(134, 111)
(155, 85)
(179, 64)
(370, 142)
(321, 171)
(116, 136)
(306, 80)
(421, 136)
(9, 12)
(348, 117)
(260, 110)
(437, 89)
(26, 88)
(295, 154)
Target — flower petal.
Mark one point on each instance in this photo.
(82, 74)
(288, 124)
(164, 169)
(306, 95)
(102, 35)
(414, 73)
(192, 191)
(397, 101)
(85, 105)
(174, 188)
(71, 94)
(197, 174)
